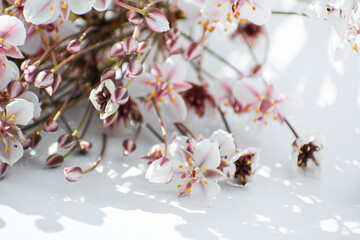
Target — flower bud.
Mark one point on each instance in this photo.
(73, 174)
(66, 140)
(35, 140)
(84, 146)
(134, 69)
(3, 169)
(120, 96)
(55, 85)
(156, 21)
(141, 47)
(108, 73)
(129, 146)
(117, 50)
(110, 119)
(29, 73)
(15, 89)
(50, 126)
(134, 18)
(74, 46)
(44, 79)
(130, 46)
(54, 160)
(25, 64)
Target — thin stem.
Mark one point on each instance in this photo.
(224, 120)
(70, 152)
(291, 128)
(182, 131)
(163, 130)
(137, 133)
(124, 5)
(74, 133)
(100, 158)
(289, 13)
(187, 129)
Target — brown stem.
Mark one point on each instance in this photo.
(100, 158)
(163, 130)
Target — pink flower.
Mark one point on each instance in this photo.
(156, 20)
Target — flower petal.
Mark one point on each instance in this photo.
(174, 107)
(225, 140)
(160, 171)
(207, 154)
(20, 111)
(32, 98)
(204, 193)
(101, 5)
(15, 151)
(174, 69)
(40, 11)
(156, 21)
(214, 175)
(81, 6)
(12, 31)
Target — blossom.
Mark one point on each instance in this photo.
(307, 154)
(17, 112)
(197, 174)
(163, 85)
(12, 35)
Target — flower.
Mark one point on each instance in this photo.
(197, 174)
(18, 112)
(163, 86)
(242, 166)
(12, 35)
(307, 154)
(73, 174)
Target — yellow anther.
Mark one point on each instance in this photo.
(247, 110)
(206, 25)
(152, 94)
(181, 166)
(242, 20)
(169, 89)
(63, 5)
(158, 80)
(38, 30)
(248, 162)
(233, 8)
(219, 5)
(206, 182)
(57, 37)
(257, 111)
(173, 100)
(13, 117)
(51, 9)
(308, 148)
(254, 8)
(190, 160)
(272, 104)
(11, 13)
(7, 149)
(259, 98)
(229, 20)
(225, 30)
(275, 118)
(354, 47)
(179, 186)
(266, 122)
(158, 108)
(147, 99)
(205, 169)
(215, 21)
(62, 21)
(3, 10)
(148, 82)
(188, 190)
(199, 22)
(1, 40)
(254, 120)
(237, 15)
(17, 3)
(211, 29)
(161, 100)
(46, 41)
(228, 15)
(242, 179)
(266, 112)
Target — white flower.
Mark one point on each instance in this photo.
(307, 154)
(18, 112)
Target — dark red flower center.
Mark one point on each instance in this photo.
(306, 153)
(243, 167)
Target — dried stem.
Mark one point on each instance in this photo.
(163, 130)
(100, 158)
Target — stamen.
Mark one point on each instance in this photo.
(190, 160)
(206, 182)
(181, 166)
(259, 98)
(158, 80)
(237, 15)
(152, 94)
(173, 100)
(248, 162)
(257, 111)
(1, 40)
(205, 169)
(169, 89)
(3, 10)
(63, 5)
(161, 100)
(38, 30)
(7, 149)
(275, 118)
(57, 37)
(354, 47)
(242, 20)
(219, 5)
(147, 99)
(13, 117)
(17, 3)
(188, 190)
(199, 22)
(51, 9)
(179, 186)
(11, 13)
(254, 8)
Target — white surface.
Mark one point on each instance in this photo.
(116, 202)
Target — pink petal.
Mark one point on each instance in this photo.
(12, 31)
(214, 175)
(174, 69)
(13, 52)
(204, 193)
(38, 11)
(181, 86)
(22, 110)
(130, 46)
(134, 68)
(134, 17)
(195, 50)
(117, 50)
(175, 107)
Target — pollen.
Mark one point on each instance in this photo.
(237, 15)
(38, 30)
(242, 179)
(179, 186)
(188, 190)
(254, 8)
(57, 37)
(46, 41)
(266, 122)
(257, 111)
(233, 8)
(169, 89)
(152, 94)
(247, 110)
(199, 22)
(17, 3)
(354, 47)
(266, 112)
(51, 9)
(272, 104)
(225, 30)
(242, 20)
(63, 5)
(148, 82)
(13, 117)
(275, 118)
(147, 99)
(190, 160)
(173, 100)
(181, 166)
(206, 25)
(219, 5)
(254, 120)
(248, 162)
(158, 80)
(11, 13)
(161, 99)
(62, 21)
(211, 29)
(3, 10)
(7, 149)
(205, 169)
(260, 98)
(1, 40)
(206, 182)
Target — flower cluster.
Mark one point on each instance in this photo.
(133, 63)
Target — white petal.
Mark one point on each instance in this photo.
(174, 69)
(32, 97)
(160, 171)
(141, 87)
(5, 72)
(81, 6)
(225, 140)
(174, 107)
(203, 194)
(102, 5)
(207, 154)
(110, 109)
(92, 98)
(12, 31)
(15, 151)
(21, 109)
(41, 11)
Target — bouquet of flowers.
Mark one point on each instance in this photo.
(129, 61)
